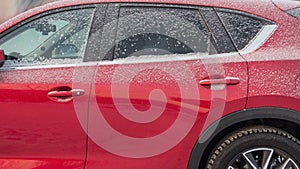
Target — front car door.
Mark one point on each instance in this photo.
(39, 126)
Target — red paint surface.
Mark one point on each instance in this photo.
(274, 67)
(35, 131)
(235, 100)
(298, 85)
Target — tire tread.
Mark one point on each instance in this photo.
(246, 132)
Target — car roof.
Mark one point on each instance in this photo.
(256, 7)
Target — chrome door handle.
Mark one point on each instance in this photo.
(71, 93)
(65, 95)
(77, 92)
(227, 81)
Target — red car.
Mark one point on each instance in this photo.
(138, 84)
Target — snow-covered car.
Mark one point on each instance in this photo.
(154, 84)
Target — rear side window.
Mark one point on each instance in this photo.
(294, 12)
(160, 31)
(242, 28)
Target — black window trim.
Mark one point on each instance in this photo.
(91, 53)
(219, 34)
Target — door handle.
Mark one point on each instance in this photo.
(71, 93)
(65, 95)
(227, 81)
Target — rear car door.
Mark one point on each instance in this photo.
(39, 126)
(171, 71)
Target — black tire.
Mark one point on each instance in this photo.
(260, 146)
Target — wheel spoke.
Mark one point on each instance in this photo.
(288, 164)
(250, 159)
(265, 159)
(267, 155)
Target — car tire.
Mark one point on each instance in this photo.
(258, 147)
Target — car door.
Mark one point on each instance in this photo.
(39, 126)
(171, 72)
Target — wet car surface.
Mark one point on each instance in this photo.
(151, 84)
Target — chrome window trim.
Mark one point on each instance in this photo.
(263, 35)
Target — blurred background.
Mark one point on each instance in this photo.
(10, 8)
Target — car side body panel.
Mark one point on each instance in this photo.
(235, 100)
(35, 131)
(274, 67)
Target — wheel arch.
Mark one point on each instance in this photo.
(285, 119)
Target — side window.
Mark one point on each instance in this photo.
(241, 27)
(58, 38)
(160, 31)
(294, 12)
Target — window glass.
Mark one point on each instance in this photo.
(160, 31)
(55, 39)
(294, 12)
(240, 27)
